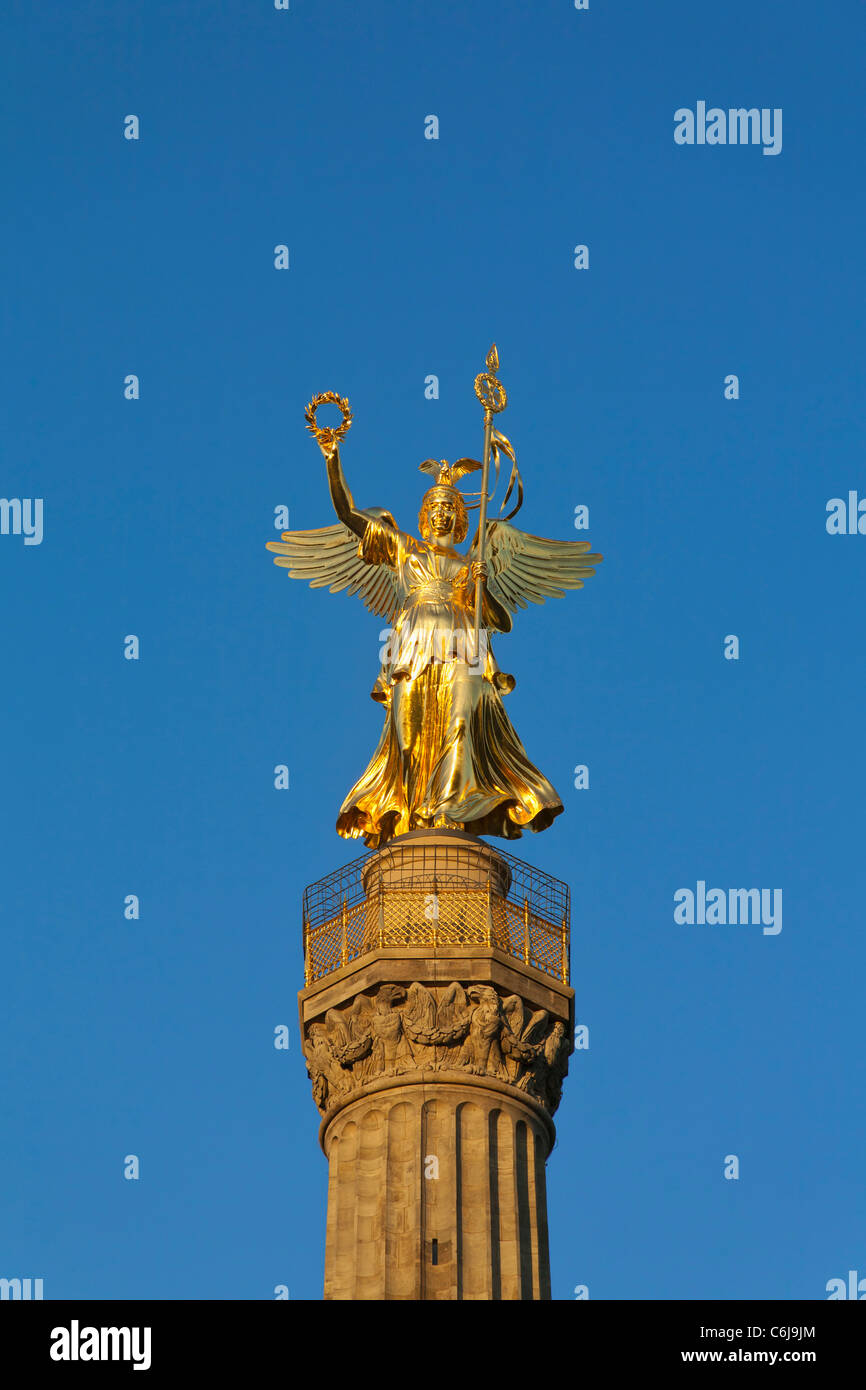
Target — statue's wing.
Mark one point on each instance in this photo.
(452, 1005)
(529, 568)
(420, 1007)
(337, 1025)
(358, 1015)
(533, 1028)
(512, 1007)
(329, 558)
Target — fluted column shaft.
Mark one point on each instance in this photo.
(437, 1191)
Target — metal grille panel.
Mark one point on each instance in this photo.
(426, 901)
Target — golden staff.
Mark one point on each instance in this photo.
(491, 394)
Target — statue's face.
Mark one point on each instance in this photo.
(442, 519)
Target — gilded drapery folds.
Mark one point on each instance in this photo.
(448, 756)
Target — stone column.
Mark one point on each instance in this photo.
(437, 1060)
(437, 1190)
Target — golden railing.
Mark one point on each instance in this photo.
(530, 922)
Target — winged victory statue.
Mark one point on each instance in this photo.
(448, 756)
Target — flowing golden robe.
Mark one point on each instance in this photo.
(448, 756)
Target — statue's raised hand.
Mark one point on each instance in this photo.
(329, 444)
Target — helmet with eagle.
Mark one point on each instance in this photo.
(445, 490)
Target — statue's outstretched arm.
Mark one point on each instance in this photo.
(344, 503)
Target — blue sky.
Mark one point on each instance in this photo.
(408, 257)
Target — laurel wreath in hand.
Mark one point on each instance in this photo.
(327, 434)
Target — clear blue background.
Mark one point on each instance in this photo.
(155, 777)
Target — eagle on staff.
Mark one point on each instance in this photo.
(448, 756)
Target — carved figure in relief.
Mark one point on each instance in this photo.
(323, 1068)
(481, 1053)
(472, 1030)
(390, 1050)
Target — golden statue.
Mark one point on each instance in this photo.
(448, 756)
